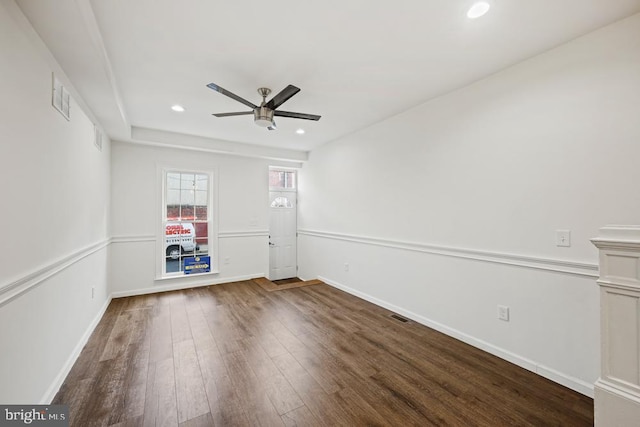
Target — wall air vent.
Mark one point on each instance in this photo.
(399, 318)
(60, 98)
(98, 137)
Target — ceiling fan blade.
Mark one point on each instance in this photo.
(296, 115)
(240, 113)
(282, 97)
(231, 95)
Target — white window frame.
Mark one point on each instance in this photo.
(285, 169)
(212, 219)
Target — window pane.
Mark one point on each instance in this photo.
(202, 238)
(187, 197)
(274, 178)
(173, 197)
(173, 180)
(187, 181)
(173, 212)
(202, 182)
(173, 204)
(201, 198)
(187, 202)
(281, 202)
(173, 247)
(202, 246)
(282, 179)
(289, 180)
(201, 213)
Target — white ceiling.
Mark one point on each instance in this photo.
(357, 62)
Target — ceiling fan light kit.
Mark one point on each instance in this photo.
(263, 115)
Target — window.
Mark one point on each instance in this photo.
(282, 179)
(60, 98)
(281, 202)
(187, 223)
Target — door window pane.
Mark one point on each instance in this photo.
(282, 179)
(281, 202)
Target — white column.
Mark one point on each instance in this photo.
(617, 391)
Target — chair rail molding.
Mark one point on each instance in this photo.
(14, 289)
(525, 261)
(617, 391)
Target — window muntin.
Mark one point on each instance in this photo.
(186, 220)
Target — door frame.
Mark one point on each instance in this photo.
(294, 191)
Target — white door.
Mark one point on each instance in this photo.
(282, 235)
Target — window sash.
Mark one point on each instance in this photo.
(187, 209)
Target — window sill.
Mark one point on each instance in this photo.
(186, 276)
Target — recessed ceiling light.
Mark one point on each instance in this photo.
(178, 108)
(478, 9)
(300, 131)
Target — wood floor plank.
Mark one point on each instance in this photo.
(259, 400)
(119, 337)
(130, 422)
(271, 345)
(239, 355)
(161, 347)
(321, 370)
(190, 392)
(360, 410)
(288, 340)
(322, 405)
(200, 331)
(180, 330)
(282, 395)
(261, 364)
(301, 417)
(227, 408)
(75, 395)
(289, 366)
(260, 410)
(205, 420)
(160, 405)
(137, 364)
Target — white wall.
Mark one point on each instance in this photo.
(55, 217)
(449, 209)
(242, 198)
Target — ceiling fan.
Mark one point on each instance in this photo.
(264, 113)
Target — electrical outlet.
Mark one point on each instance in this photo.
(346, 266)
(503, 313)
(93, 292)
(227, 261)
(563, 238)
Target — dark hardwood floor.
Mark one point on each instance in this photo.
(236, 354)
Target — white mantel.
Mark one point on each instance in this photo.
(617, 391)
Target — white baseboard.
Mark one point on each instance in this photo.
(66, 368)
(180, 286)
(530, 365)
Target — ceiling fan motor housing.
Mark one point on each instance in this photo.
(263, 116)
